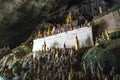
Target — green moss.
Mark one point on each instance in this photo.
(15, 64)
(107, 51)
(114, 35)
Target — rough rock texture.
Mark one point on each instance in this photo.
(111, 20)
(18, 18)
(108, 22)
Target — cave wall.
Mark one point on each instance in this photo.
(108, 22)
(19, 18)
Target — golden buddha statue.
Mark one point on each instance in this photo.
(49, 31)
(44, 47)
(58, 27)
(107, 35)
(76, 43)
(69, 18)
(100, 9)
(102, 36)
(39, 35)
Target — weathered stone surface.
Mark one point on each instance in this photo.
(116, 16)
(18, 18)
(110, 21)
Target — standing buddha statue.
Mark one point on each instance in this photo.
(58, 28)
(69, 18)
(44, 47)
(102, 36)
(49, 31)
(96, 41)
(107, 35)
(100, 10)
(76, 43)
(39, 34)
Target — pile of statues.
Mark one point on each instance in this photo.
(59, 64)
(53, 65)
(103, 36)
(70, 25)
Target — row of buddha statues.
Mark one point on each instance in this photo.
(77, 47)
(103, 36)
(55, 30)
(70, 25)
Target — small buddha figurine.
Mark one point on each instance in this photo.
(69, 18)
(71, 28)
(45, 33)
(102, 36)
(100, 9)
(44, 47)
(107, 35)
(76, 43)
(53, 30)
(86, 22)
(49, 31)
(58, 28)
(96, 42)
(39, 34)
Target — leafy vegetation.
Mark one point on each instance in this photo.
(15, 64)
(106, 51)
(114, 35)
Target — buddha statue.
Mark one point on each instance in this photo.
(49, 31)
(76, 43)
(53, 30)
(44, 47)
(100, 9)
(96, 41)
(86, 22)
(39, 35)
(107, 35)
(58, 28)
(102, 36)
(71, 28)
(69, 18)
